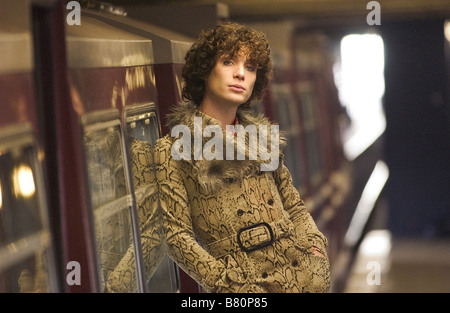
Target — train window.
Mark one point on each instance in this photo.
(143, 129)
(112, 202)
(142, 122)
(26, 253)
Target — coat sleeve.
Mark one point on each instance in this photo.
(183, 248)
(304, 224)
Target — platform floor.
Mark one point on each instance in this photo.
(387, 265)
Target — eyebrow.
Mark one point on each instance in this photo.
(235, 56)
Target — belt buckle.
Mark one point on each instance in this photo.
(258, 246)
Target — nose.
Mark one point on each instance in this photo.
(239, 72)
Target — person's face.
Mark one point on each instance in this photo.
(231, 81)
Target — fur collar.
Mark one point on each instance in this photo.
(213, 174)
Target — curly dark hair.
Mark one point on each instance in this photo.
(225, 39)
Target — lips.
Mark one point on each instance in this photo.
(237, 87)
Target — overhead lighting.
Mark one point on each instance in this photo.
(360, 80)
(23, 181)
(447, 30)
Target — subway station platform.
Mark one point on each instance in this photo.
(405, 265)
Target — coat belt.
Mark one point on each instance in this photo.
(251, 238)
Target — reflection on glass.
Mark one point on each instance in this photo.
(23, 181)
(165, 278)
(111, 202)
(144, 127)
(20, 204)
(144, 180)
(143, 130)
(33, 274)
(24, 239)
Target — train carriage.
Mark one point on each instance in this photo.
(27, 247)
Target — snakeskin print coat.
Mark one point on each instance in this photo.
(233, 227)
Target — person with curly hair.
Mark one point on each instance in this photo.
(229, 222)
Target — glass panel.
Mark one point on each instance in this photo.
(112, 204)
(161, 274)
(165, 278)
(25, 249)
(144, 127)
(28, 269)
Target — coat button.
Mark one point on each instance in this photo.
(240, 212)
(270, 202)
(233, 275)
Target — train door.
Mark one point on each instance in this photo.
(113, 88)
(27, 259)
(97, 73)
(169, 49)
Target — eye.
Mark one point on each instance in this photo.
(227, 62)
(250, 68)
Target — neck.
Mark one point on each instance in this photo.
(226, 115)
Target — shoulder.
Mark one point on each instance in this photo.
(181, 114)
(164, 142)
